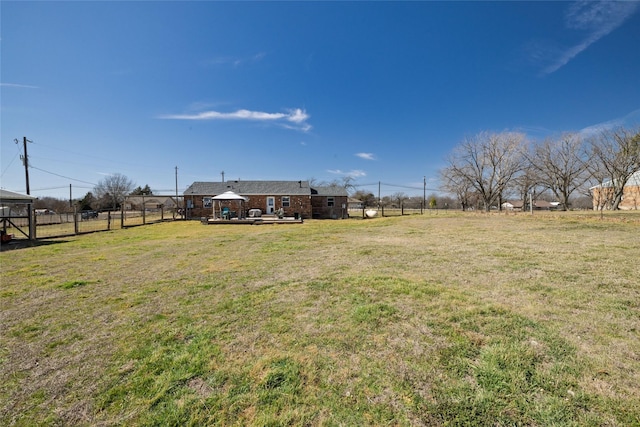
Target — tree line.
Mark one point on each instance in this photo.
(108, 194)
(484, 169)
(482, 172)
(111, 192)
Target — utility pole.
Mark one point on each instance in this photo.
(176, 185)
(25, 160)
(424, 192)
(530, 203)
(177, 203)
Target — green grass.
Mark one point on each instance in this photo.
(445, 319)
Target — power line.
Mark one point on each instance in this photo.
(87, 155)
(58, 188)
(386, 184)
(401, 186)
(10, 163)
(62, 176)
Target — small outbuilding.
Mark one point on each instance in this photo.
(15, 206)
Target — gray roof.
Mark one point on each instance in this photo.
(634, 180)
(11, 197)
(247, 188)
(331, 191)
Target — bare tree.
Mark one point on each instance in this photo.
(398, 198)
(366, 197)
(615, 156)
(525, 184)
(601, 194)
(458, 185)
(56, 205)
(560, 166)
(488, 162)
(114, 188)
(346, 182)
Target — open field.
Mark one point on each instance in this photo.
(439, 319)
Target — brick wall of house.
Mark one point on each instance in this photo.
(322, 210)
(630, 197)
(297, 204)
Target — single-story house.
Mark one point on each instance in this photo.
(355, 203)
(539, 205)
(294, 198)
(630, 195)
(150, 202)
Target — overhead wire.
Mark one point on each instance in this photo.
(85, 155)
(386, 184)
(11, 162)
(62, 176)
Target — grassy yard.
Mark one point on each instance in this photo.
(439, 319)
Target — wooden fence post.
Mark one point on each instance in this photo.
(32, 230)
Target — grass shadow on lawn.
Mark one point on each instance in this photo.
(24, 243)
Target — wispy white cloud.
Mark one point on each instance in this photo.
(292, 119)
(16, 85)
(596, 19)
(630, 120)
(356, 173)
(236, 61)
(366, 156)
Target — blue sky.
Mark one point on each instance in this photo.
(380, 91)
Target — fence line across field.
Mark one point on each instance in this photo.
(69, 224)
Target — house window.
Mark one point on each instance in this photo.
(286, 201)
(331, 202)
(206, 202)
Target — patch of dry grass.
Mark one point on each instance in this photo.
(434, 319)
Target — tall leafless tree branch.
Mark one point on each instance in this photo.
(488, 162)
(615, 156)
(114, 188)
(559, 165)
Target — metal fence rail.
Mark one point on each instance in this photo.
(70, 224)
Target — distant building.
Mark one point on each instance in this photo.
(602, 194)
(150, 202)
(540, 205)
(294, 198)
